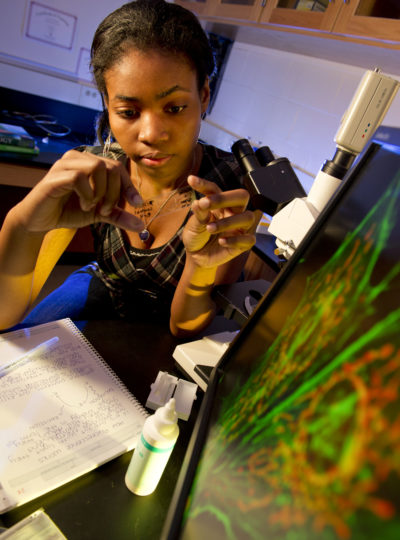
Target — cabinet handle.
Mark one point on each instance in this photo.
(263, 3)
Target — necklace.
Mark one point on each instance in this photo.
(145, 234)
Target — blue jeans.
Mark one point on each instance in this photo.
(82, 296)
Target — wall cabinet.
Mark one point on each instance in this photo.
(372, 18)
(236, 10)
(200, 7)
(304, 14)
(376, 19)
(243, 10)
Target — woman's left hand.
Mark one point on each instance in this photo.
(220, 228)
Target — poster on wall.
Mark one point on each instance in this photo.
(50, 25)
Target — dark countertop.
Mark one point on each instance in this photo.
(98, 505)
(49, 152)
(20, 108)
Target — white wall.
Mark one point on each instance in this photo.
(289, 102)
(44, 68)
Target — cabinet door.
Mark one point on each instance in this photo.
(241, 10)
(372, 18)
(315, 14)
(199, 7)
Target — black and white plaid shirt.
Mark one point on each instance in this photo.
(150, 276)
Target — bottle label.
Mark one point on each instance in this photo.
(153, 448)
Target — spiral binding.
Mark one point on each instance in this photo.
(69, 323)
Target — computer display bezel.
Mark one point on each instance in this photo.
(181, 493)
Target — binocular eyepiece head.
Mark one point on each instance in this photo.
(271, 182)
(248, 159)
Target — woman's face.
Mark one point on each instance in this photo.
(155, 108)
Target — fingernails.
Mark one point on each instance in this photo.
(133, 197)
(211, 227)
(204, 203)
(87, 205)
(137, 200)
(105, 211)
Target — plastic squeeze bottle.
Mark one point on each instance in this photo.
(152, 452)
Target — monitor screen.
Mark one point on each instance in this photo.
(298, 437)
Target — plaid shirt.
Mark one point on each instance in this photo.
(149, 276)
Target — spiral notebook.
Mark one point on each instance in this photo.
(63, 413)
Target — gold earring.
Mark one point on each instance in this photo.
(107, 144)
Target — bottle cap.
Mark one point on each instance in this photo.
(166, 418)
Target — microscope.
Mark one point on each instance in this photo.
(275, 190)
(366, 111)
(272, 183)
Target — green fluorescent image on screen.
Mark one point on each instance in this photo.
(304, 431)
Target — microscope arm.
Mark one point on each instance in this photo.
(292, 223)
(369, 105)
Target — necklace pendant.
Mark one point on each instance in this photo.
(144, 235)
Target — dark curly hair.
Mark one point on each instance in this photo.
(149, 25)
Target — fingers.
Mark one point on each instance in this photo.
(235, 200)
(122, 219)
(90, 189)
(203, 216)
(130, 192)
(85, 174)
(233, 225)
(239, 242)
(234, 246)
(99, 181)
(203, 186)
(221, 212)
(112, 194)
(221, 228)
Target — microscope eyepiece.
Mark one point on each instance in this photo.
(264, 155)
(244, 153)
(242, 148)
(270, 182)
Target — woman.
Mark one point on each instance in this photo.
(168, 215)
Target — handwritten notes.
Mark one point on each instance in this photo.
(61, 415)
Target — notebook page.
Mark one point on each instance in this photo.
(61, 415)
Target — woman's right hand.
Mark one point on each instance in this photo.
(80, 189)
